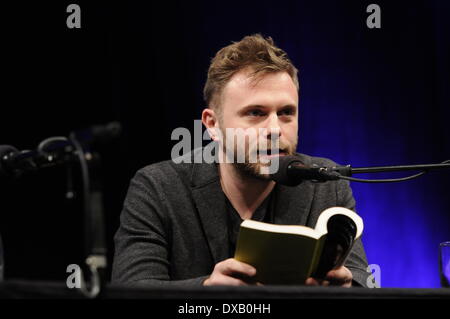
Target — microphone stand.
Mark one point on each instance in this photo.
(1, 260)
(61, 150)
(293, 171)
(345, 172)
(95, 245)
(348, 170)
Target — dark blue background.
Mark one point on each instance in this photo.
(368, 97)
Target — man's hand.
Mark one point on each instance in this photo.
(341, 276)
(231, 272)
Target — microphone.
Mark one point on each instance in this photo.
(6, 151)
(54, 150)
(291, 172)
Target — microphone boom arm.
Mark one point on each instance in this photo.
(349, 171)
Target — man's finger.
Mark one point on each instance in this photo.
(340, 273)
(340, 276)
(312, 282)
(232, 266)
(222, 280)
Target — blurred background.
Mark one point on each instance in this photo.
(368, 97)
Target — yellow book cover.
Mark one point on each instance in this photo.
(289, 254)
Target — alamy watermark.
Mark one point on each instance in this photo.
(374, 279)
(373, 21)
(73, 20)
(74, 278)
(236, 145)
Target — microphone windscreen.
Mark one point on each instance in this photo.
(5, 150)
(282, 175)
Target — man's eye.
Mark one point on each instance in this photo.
(286, 112)
(255, 113)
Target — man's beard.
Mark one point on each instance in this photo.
(259, 170)
(255, 167)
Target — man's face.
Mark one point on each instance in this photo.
(267, 106)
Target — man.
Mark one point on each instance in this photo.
(180, 221)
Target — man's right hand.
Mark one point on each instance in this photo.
(231, 272)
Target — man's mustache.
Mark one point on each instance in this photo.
(270, 151)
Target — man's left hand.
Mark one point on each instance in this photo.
(341, 276)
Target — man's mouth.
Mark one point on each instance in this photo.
(272, 152)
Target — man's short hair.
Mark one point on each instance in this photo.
(258, 54)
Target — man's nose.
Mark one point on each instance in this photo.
(273, 126)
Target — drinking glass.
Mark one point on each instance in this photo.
(444, 263)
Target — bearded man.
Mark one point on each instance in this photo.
(181, 219)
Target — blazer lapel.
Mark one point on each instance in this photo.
(210, 201)
(293, 204)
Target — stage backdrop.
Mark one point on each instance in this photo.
(368, 97)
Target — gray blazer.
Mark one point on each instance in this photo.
(173, 226)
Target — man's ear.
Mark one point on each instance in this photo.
(211, 122)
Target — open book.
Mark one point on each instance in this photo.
(288, 255)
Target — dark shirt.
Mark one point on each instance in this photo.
(264, 213)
